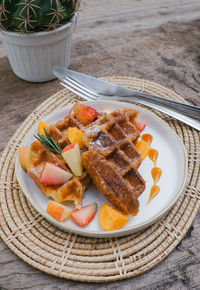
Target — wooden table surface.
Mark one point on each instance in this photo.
(157, 40)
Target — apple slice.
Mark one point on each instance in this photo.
(24, 156)
(54, 175)
(58, 211)
(72, 156)
(84, 215)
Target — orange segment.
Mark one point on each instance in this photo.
(41, 126)
(24, 157)
(111, 219)
(75, 136)
(143, 148)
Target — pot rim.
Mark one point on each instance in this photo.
(41, 33)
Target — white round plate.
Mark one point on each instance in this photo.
(172, 159)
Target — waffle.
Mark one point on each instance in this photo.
(112, 159)
(70, 191)
(59, 130)
(115, 135)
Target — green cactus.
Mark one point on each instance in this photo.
(35, 15)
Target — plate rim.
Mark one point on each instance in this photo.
(106, 234)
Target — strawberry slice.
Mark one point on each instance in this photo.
(140, 125)
(84, 114)
(54, 175)
(71, 111)
(84, 215)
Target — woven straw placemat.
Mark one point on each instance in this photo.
(66, 255)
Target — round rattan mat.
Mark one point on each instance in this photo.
(66, 255)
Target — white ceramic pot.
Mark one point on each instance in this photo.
(32, 56)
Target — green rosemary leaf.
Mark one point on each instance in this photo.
(49, 142)
(52, 142)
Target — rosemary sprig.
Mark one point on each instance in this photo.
(49, 142)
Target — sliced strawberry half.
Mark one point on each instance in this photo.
(84, 114)
(140, 125)
(84, 215)
(71, 111)
(54, 175)
(72, 156)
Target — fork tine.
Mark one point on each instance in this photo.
(92, 93)
(77, 88)
(76, 92)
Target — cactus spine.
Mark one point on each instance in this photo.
(35, 15)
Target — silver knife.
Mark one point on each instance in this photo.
(105, 90)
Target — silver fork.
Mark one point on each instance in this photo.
(90, 95)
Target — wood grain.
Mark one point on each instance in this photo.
(154, 40)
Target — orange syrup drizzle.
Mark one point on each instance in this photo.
(143, 147)
(154, 191)
(153, 155)
(147, 138)
(156, 172)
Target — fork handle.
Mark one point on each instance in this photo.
(195, 123)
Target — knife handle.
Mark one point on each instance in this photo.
(189, 110)
(195, 123)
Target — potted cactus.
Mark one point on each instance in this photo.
(37, 35)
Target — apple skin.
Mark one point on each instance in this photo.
(54, 175)
(58, 211)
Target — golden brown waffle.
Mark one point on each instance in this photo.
(72, 190)
(59, 130)
(112, 159)
(120, 189)
(110, 140)
(114, 136)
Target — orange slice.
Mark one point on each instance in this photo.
(75, 136)
(41, 126)
(111, 219)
